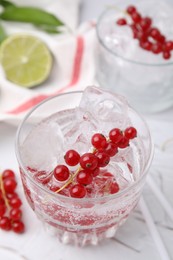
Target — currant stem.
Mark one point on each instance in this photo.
(70, 180)
(3, 192)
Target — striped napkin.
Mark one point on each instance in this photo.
(73, 67)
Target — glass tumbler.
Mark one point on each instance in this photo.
(144, 78)
(87, 220)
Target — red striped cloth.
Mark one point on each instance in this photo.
(76, 66)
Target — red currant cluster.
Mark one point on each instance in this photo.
(150, 38)
(90, 164)
(10, 203)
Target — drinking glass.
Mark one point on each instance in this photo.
(72, 220)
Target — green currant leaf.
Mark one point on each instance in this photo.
(32, 15)
(2, 33)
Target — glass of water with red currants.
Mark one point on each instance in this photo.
(135, 53)
(83, 158)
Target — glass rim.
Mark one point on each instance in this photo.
(70, 199)
(165, 63)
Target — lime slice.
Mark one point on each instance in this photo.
(25, 59)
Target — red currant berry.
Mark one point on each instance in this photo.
(11, 195)
(123, 143)
(136, 17)
(130, 132)
(5, 223)
(9, 185)
(95, 172)
(134, 30)
(111, 149)
(18, 226)
(84, 178)
(161, 39)
(166, 55)
(168, 46)
(72, 157)
(131, 9)
(103, 158)
(115, 135)
(8, 174)
(121, 21)
(145, 23)
(146, 45)
(142, 37)
(2, 210)
(99, 141)
(15, 202)
(154, 33)
(88, 161)
(114, 187)
(15, 214)
(61, 173)
(156, 48)
(77, 191)
(2, 201)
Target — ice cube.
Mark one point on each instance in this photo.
(106, 109)
(42, 147)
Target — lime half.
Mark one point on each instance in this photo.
(25, 59)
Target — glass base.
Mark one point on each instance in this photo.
(85, 237)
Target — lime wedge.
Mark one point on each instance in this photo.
(25, 59)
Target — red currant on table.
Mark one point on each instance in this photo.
(115, 135)
(15, 202)
(121, 21)
(130, 132)
(103, 158)
(9, 185)
(18, 226)
(84, 177)
(88, 161)
(77, 191)
(11, 195)
(2, 210)
(131, 9)
(5, 223)
(61, 173)
(8, 174)
(72, 157)
(15, 214)
(99, 141)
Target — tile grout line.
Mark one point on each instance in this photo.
(153, 230)
(160, 196)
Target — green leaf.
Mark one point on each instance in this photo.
(2, 34)
(6, 3)
(48, 29)
(32, 15)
